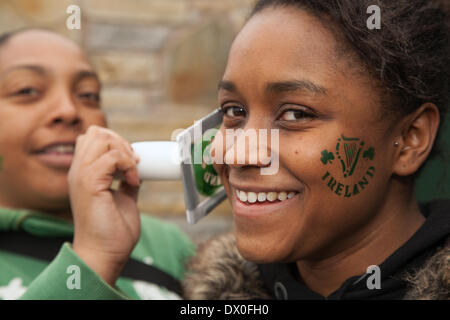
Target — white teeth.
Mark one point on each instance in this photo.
(62, 148)
(262, 196)
(253, 197)
(242, 196)
(282, 196)
(272, 196)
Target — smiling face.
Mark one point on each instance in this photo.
(335, 151)
(49, 94)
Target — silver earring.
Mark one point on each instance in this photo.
(396, 144)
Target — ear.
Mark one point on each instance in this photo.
(418, 135)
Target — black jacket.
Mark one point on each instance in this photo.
(420, 269)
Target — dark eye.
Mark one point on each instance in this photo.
(234, 112)
(29, 91)
(295, 115)
(91, 96)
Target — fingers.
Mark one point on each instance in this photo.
(100, 153)
(115, 160)
(98, 141)
(107, 224)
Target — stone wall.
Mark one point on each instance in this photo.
(159, 60)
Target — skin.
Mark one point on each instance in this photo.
(43, 100)
(46, 100)
(284, 73)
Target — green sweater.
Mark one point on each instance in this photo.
(161, 244)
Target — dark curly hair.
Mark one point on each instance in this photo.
(409, 56)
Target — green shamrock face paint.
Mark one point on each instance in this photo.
(327, 157)
(208, 181)
(348, 153)
(369, 154)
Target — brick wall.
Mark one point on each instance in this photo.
(160, 62)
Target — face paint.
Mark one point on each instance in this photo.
(327, 157)
(1, 163)
(348, 153)
(206, 176)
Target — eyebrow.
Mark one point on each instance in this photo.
(296, 85)
(227, 85)
(35, 69)
(281, 87)
(41, 71)
(86, 74)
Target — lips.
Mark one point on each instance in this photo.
(58, 148)
(262, 197)
(57, 155)
(258, 202)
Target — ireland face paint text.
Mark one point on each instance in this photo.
(348, 190)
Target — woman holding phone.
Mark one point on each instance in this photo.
(50, 106)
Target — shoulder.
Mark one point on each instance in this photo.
(164, 245)
(154, 229)
(219, 272)
(149, 222)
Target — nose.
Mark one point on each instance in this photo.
(64, 111)
(247, 147)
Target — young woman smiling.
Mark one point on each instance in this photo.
(50, 101)
(358, 112)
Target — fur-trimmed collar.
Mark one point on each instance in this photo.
(219, 272)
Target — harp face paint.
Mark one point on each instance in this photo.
(349, 154)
